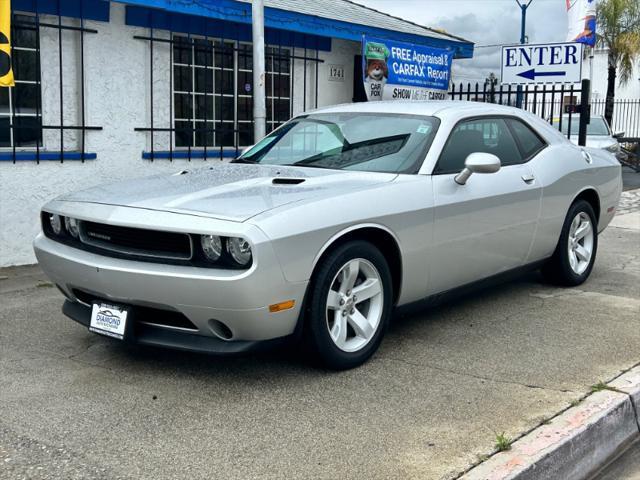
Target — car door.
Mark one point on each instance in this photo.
(486, 226)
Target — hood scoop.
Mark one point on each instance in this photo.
(287, 181)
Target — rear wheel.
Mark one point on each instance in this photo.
(350, 305)
(575, 254)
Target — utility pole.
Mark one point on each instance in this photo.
(259, 75)
(523, 39)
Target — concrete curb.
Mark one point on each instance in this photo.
(575, 444)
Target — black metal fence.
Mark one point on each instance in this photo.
(559, 105)
(626, 116)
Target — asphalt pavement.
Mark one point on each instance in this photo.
(626, 467)
(631, 178)
(429, 405)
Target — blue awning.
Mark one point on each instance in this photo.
(240, 12)
(87, 9)
(202, 15)
(212, 27)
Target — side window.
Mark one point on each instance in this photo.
(530, 142)
(486, 135)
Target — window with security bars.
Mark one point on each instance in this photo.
(21, 105)
(213, 91)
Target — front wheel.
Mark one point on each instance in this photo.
(575, 254)
(350, 305)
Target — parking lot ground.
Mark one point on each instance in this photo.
(75, 405)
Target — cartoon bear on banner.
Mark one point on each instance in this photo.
(376, 70)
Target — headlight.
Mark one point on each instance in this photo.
(613, 148)
(56, 223)
(71, 225)
(240, 250)
(211, 246)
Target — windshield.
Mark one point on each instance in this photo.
(597, 125)
(348, 141)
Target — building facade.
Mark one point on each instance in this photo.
(627, 91)
(113, 90)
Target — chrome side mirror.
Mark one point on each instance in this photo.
(478, 163)
(618, 135)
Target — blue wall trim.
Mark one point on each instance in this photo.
(238, 12)
(212, 27)
(44, 156)
(87, 9)
(184, 154)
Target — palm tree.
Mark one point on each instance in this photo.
(618, 31)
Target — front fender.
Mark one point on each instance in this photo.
(301, 233)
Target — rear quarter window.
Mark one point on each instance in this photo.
(529, 141)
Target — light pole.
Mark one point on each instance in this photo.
(523, 39)
(259, 75)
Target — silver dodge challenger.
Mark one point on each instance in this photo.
(327, 226)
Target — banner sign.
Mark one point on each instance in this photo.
(582, 21)
(403, 71)
(6, 73)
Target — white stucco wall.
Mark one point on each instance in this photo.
(628, 91)
(117, 98)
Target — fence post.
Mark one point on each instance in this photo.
(585, 111)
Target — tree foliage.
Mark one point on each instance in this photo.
(619, 31)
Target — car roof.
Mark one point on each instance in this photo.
(450, 111)
(438, 108)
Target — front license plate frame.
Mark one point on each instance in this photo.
(109, 319)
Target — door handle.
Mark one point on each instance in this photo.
(528, 178)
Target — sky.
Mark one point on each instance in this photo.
(484, 22)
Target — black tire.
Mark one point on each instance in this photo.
(317, 333)
(558, 269)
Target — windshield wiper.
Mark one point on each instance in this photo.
(307, 165)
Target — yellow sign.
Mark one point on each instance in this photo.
(6, 72)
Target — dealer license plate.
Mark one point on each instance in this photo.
(108, 320)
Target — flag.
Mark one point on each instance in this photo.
(582, 21)
(6, 72)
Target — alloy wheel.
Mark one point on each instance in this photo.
(580, 243)
(354, 305)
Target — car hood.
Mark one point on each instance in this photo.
(233, 192)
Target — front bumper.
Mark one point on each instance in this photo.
(238, 299)
(144, 333)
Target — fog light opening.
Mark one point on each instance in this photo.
(220, 329)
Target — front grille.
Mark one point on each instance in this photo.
(156, 316)
(136, 241)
